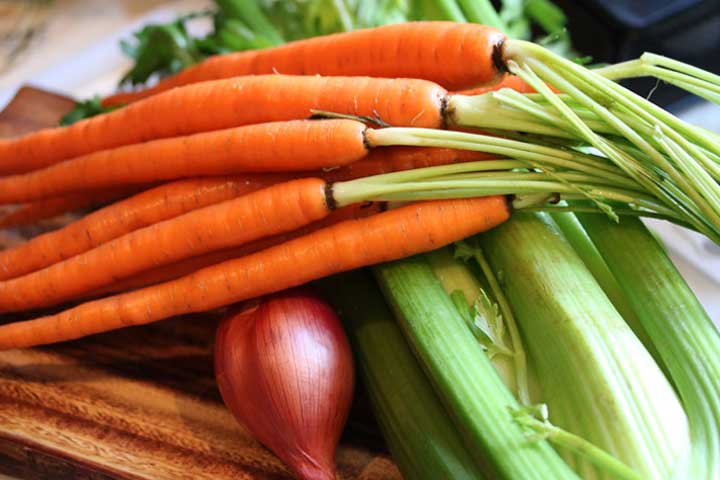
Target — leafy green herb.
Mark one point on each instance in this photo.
(485, 322)
(161, 49)
(489, 324)
(85, 109)
(498, 318)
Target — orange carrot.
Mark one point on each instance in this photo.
(228, 103)
(395, 159)
(272, 210)
(269, 147)
(457, 56)
(144, 209)
(351, 244)
(190, 265)
(52, 207)
(173, 199)
(507, 81)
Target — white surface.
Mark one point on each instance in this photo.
(97, 68)
(696, 257)
(93, 66)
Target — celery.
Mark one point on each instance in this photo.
(482, 11)
(597, 379)
(463, 376)
(574, 443)
(579, 240)
(423, 441)
(686, 338)
(457, 278)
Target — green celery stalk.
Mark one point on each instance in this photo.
(547, 15)
(423, 441)
(507, 357)
(579, 445)
(577, 237)
(483, 12)
(437, 10)
(500, 334)
(463, 376)
(685, 337)
(250, 13)
(597, 379)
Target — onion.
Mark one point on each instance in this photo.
(285, 371)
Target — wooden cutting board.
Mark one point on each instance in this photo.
(139, 403)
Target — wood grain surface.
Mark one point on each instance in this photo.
(139, 403)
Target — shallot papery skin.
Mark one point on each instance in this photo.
(285, 370)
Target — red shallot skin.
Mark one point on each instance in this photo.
(284, 368)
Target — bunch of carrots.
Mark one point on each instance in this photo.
(262, 170)
(260, 198)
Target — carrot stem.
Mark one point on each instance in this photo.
(664, 157)
(692, 79)
(611, 92)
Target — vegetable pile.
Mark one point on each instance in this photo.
(521, 322)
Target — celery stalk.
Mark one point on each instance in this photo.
(463, 376)
(586, 250)
(685, 337)
(598, 380)
(455, 276)
(423, 441)
(579, 445)
(483, 12)
(508, 356)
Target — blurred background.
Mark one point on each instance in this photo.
(72, 47)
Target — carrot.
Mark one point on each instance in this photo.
(144, 209)
(276, 209)
(507, 81)
(224, 104)
(52, 207)
(390, 235)
(173, 199)
(457, 56)
(279, 146)
(395, 159)
(190, 265)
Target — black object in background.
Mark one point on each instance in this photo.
(614, 30)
